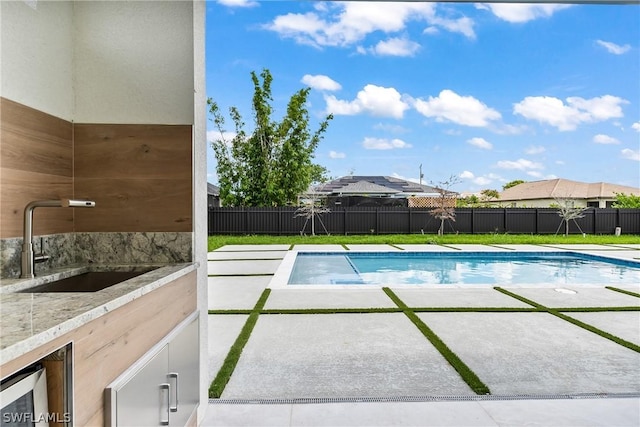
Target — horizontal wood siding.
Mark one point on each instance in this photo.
(140, 177)
(107, 346)
(36, 163)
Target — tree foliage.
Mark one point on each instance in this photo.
(272, 164)
(513, 183)
(624, 201)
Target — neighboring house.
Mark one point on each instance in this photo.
(213, 196)
(540, 194)
(366, 190)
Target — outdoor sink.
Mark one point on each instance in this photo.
(86, 282)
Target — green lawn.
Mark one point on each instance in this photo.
(489, 239)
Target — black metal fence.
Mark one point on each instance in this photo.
(402, 220)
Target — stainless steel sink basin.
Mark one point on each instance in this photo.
(86, 282)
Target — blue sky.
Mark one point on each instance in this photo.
(487, 92)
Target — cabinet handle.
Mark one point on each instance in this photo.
(164, 412)
(173, 403)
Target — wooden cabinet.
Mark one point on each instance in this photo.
(161, 388)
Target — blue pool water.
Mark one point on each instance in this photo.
(416, 268)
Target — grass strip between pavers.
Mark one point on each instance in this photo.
(623, 291)
(228, 366)
(576, 322)
(468, 376)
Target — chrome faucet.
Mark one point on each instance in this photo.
(28, 257)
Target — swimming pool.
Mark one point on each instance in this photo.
(466, 268)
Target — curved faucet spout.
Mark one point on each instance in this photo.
(27, 244)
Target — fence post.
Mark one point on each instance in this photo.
(344, 221)
(506, 220)
(377, 220)
(409, 211)
(473, 215)
(537, 219)
(595, 219)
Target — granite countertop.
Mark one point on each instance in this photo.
(29, 320)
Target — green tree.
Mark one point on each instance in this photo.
(272, 164)
(630, 201)
(512, 183)
(488, 196)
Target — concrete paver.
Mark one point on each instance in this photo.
(478, 248)
(254, 248)
(327, 298)
(564, 412)
(623, 324)
(619, 412)
(375, 248)
(536, 353)
(237, 255)
(581, 247)
(354, 355)
(425, 248)
(319, 248)
(583, 297)
(222, 332)
(528, 248)
(234, 295)
(626, 245)
(457, 298)
(242, 267)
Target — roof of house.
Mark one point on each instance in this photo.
(367, 184)
(213, 190)
(565, 189)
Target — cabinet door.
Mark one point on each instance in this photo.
(144, 399)
(184, 365)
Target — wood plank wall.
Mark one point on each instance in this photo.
(139, 176)
(36, 163)
(108, 345)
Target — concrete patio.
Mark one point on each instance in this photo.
(377, 368)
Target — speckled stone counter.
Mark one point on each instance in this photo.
(29, 320)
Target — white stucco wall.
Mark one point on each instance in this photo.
(36, 55)
(133, 62)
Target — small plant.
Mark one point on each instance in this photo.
(568, 212)
(446, 209)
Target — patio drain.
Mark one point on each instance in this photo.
(319, 400)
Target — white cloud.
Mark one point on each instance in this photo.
(565, 117)
(463, 110)
(560, 162)
(535, 149)
(375, 100)
(605, 139)
(214, 135)
(517, 13)
(630, 154)
(614, 48)
(336, 155)
(397, 175)
(520, 164)
(480, 143)
(636, 126)
(238, 3)
(384, 144)
(396, 47)
(321, 82)
(480, 180)
(348, 23)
